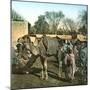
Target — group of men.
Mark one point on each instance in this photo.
(73, 58)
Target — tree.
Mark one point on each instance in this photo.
(83, 21)
(83, 30)
(53, 19)
(69, 25)
(33, 30)
(41, 25)
(15, 16)
(83, 17)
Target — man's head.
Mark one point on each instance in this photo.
(70, 50)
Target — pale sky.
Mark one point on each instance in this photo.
(31, 10)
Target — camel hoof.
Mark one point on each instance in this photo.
(42, 78)
(46, 78)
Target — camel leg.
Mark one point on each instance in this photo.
(43, 69)
(45, 66)
(73, 72)
(60, 70)
(44, 74)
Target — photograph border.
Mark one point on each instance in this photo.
(11, 39)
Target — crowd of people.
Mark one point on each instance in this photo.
(74, 58)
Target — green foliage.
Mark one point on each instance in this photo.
(33, 30)
(83, 30)
(83, 17)
(53, 19)
(15, 16)
(56, 23)
(41, 25)
(83, 22)
(69, 24)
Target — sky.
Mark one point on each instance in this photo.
(31, 10)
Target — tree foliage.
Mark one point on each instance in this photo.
(83, 17)
(69, 24)
(83, 22)
(15, 16)
(53, 19)
(41, 25)
(33, 30)
(56, 23)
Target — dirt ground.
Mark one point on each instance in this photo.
(32, 80)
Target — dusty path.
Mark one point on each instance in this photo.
(33, 79)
